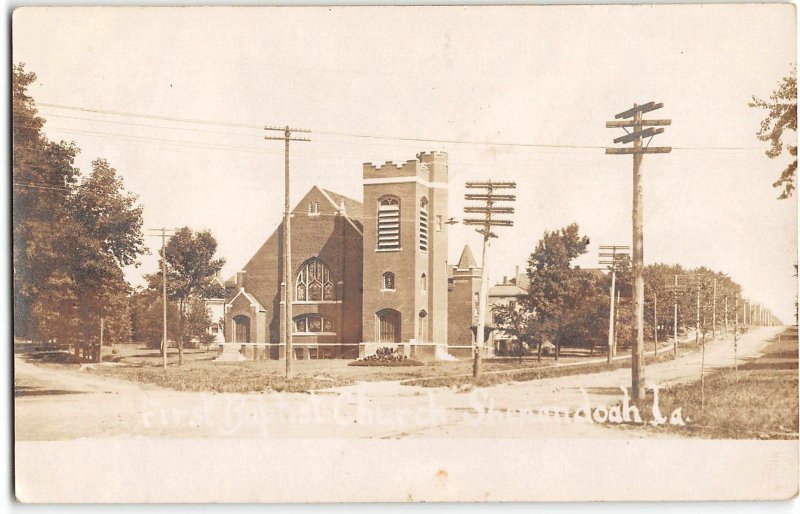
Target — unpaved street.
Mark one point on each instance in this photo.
(54, 404)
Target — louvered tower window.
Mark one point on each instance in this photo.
(389, 223)
(423, 225)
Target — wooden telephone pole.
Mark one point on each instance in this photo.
(632, 119)
(162, 232)
(675, 289)
(488, 197)
(287, 244)
(610, 259)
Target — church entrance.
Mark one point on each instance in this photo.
(388, 326)
(242, 329)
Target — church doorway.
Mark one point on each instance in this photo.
(388, 326)
(241, 333)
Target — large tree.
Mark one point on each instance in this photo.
(71, 236)
(781, 115)
(517, 321)
(566, 298)
(108, 236)
(147, 318)
(191, 267)
(43, 178)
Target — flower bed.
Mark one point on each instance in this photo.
(386, 357)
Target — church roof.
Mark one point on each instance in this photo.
(507, 290)
(353, 208)
(250, 298)
(467, 260)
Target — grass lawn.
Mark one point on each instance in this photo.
(760, 401)
(200, 373)
(493, 375)
(242, 377)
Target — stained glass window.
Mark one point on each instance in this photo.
(388, 281)
(313, 324)
(314, 283)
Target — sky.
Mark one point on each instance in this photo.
(510, 93)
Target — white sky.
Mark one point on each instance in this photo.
(533, 75)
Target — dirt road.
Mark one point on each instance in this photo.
(56, 404)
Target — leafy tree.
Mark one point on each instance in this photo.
(191, 266)
(518, 322)
(198, 320)
(781, 115)
(147, 318)
(108, 236)
(71, 240)
(659, 280)
(44, 178)
(563, 297)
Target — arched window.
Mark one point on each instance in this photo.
(423, 326)
(313, 324)
(389, 223)
(388, 281)
(423, 281)
(314, 282)
(423, 224)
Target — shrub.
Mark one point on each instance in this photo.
(386, 356)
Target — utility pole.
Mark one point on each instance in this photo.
(616, 322)
(744, 313)
(489, 197)
(163, 234)
(655, 322)
(736, 338)
(287, 244)
(726, 314)
(635, 136)
(675, 289)
(100, 348)
(714, 313)
(697, 321)
(610, 259)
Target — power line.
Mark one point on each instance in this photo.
(357, 134)
(41, 186)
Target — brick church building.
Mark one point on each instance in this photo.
(364, 275)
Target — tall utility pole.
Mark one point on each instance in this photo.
(655, 323)
(163, 234)
(287, 244)
(714, 313)
(610, 259)
(100, 348)
(725, 303)
(675, 289)
(697, 320)
(744, 312)
(488, 197)
(635, 135)
(736, 336)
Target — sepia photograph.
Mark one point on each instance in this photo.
(404, 253)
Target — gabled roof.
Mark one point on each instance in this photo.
(506, 290)
(353, 208)
(467, 260)
(250, 298)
